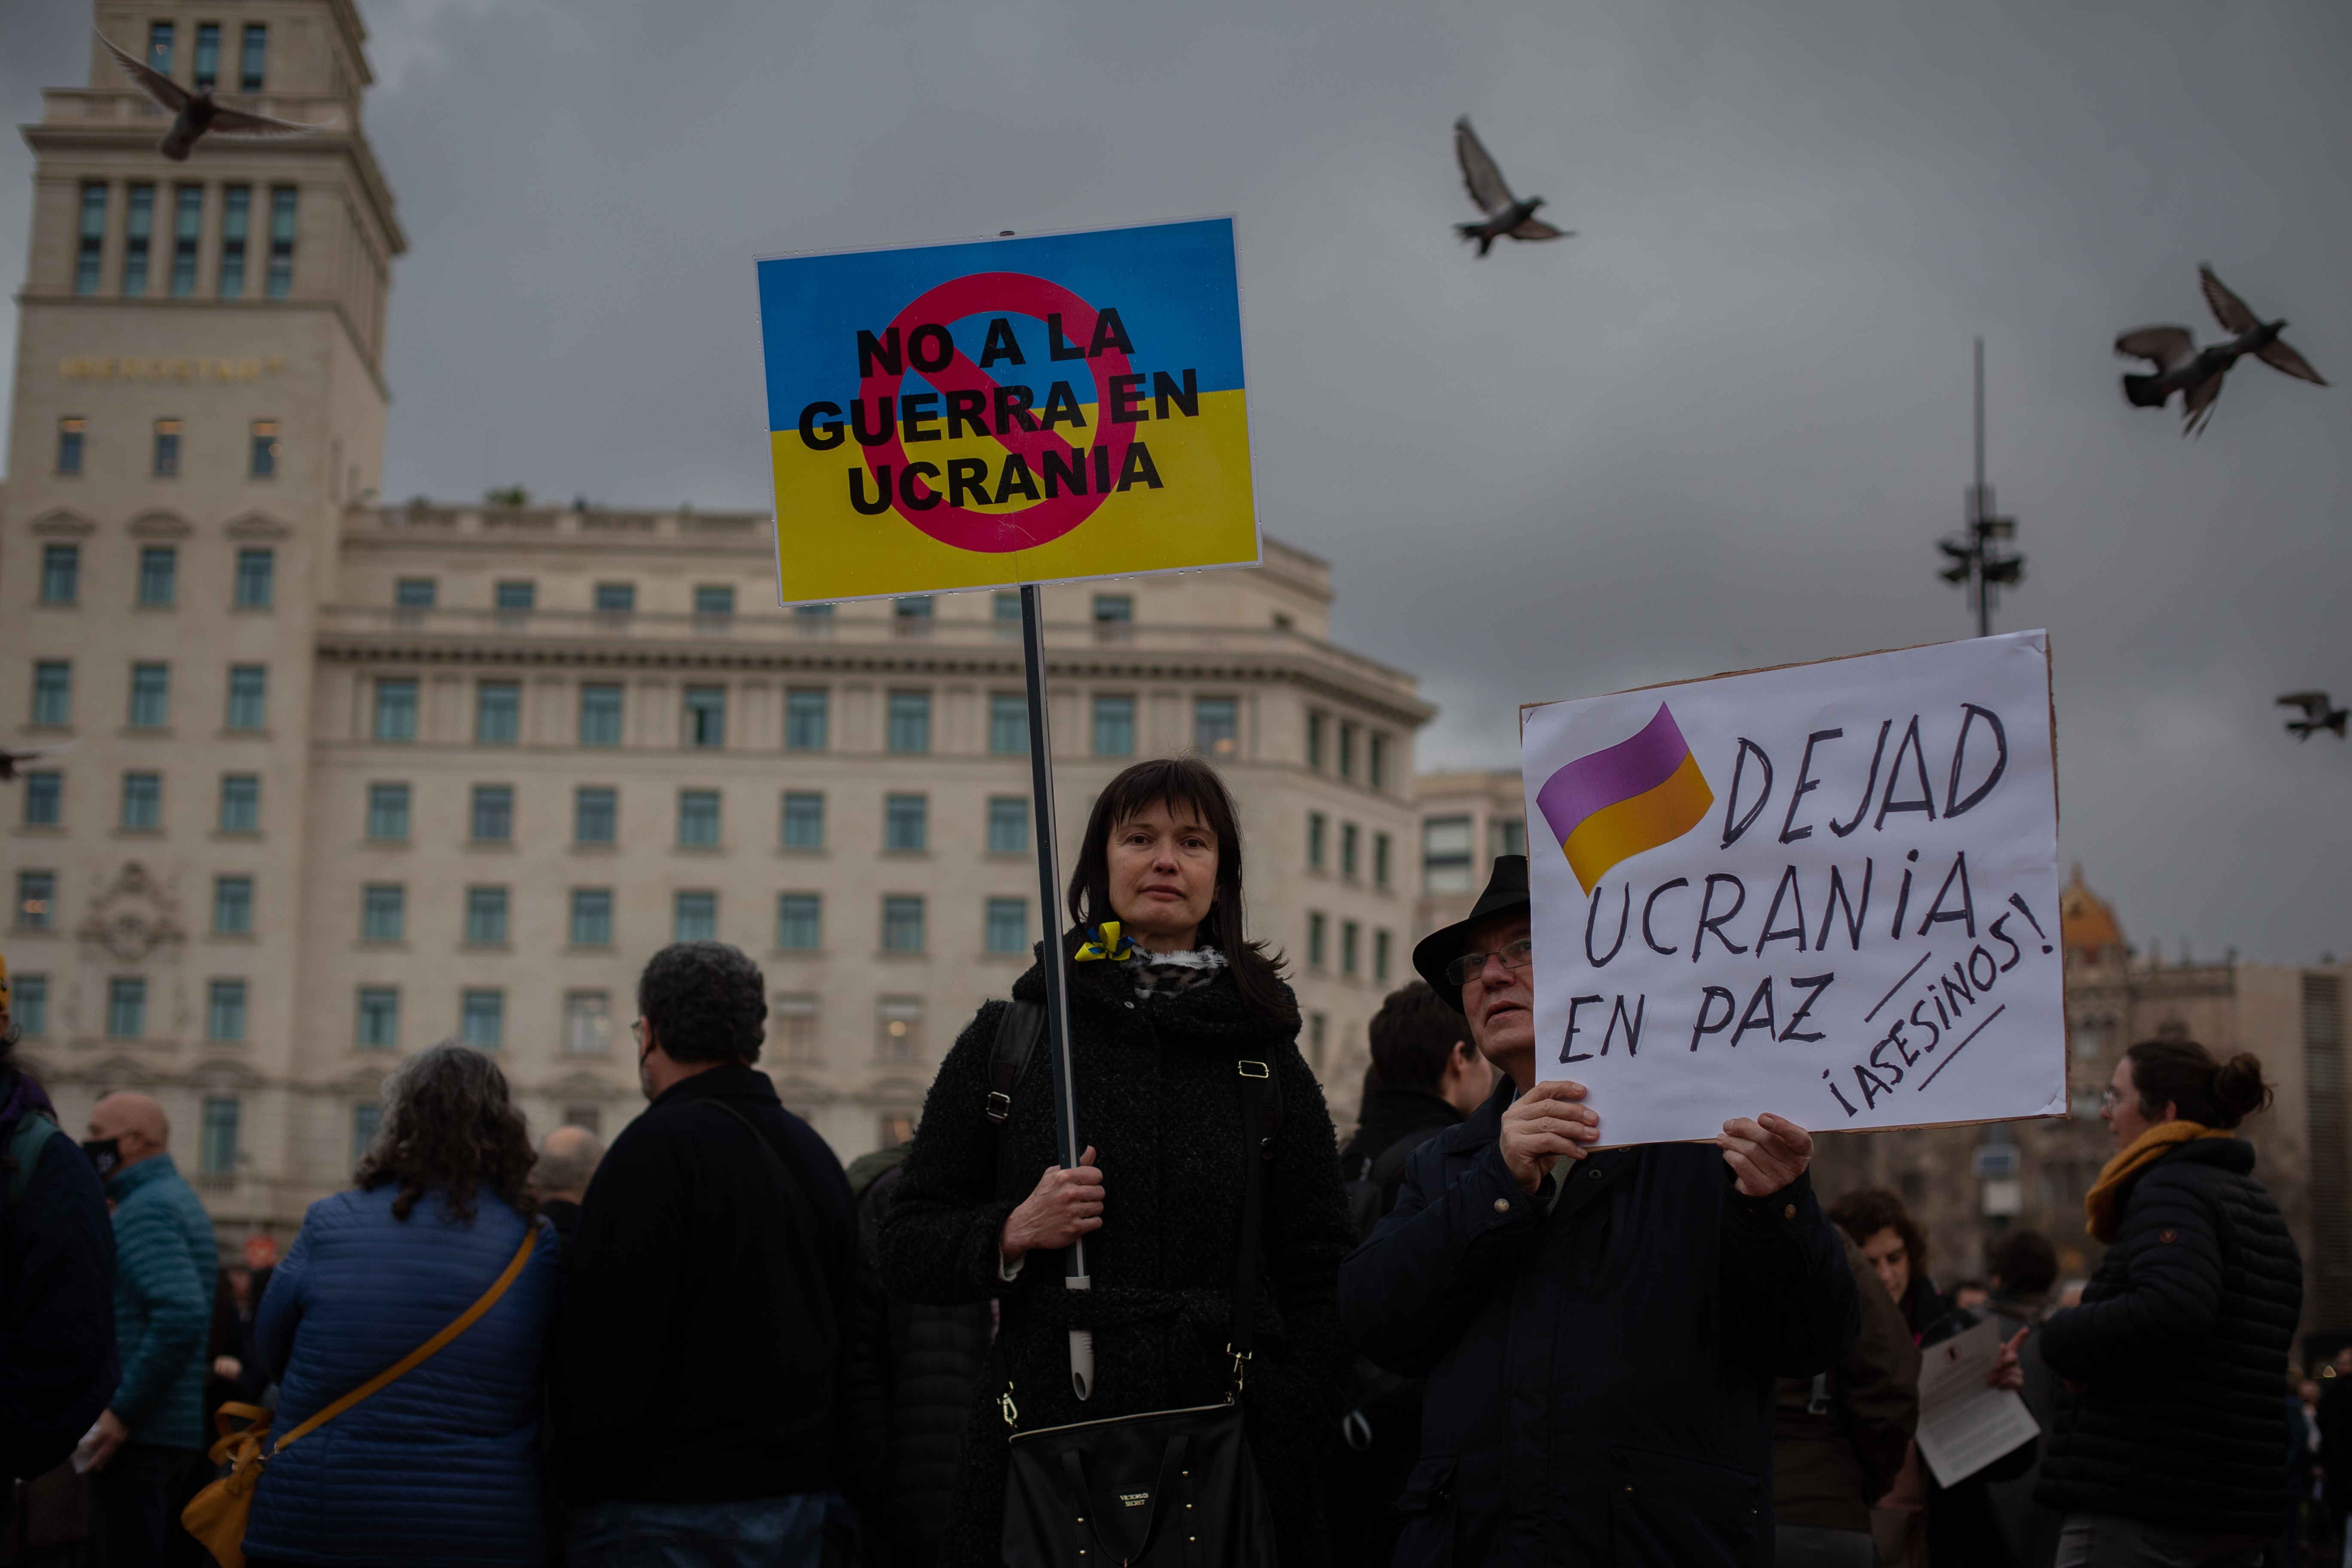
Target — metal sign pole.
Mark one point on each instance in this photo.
(1057, 989)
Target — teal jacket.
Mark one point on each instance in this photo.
(165, 1267)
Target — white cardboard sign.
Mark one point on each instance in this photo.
(1827, 890)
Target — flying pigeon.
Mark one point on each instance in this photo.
(11, 756)
(197, 111)
(2196, 373)
(1505, 214)
(2318, 714)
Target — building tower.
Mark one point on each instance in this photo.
(199, 391)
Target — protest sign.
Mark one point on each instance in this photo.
(1827, 890)
(1020, 410)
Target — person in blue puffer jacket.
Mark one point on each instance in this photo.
(444, 1465)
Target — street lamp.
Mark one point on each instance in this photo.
(1979, 562)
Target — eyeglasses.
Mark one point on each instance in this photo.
(638, 1030)
(2110, 1099)
(1470, 965)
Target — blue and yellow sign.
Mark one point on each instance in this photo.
(1021, 410)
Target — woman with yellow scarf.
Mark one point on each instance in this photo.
(2170, 1443)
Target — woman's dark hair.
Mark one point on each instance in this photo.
(705, 1002)
(1183, 783)
(2184, 1074)
(450, 1127)
(1867, 1211)
(2024, 1262)
(1412, 1038)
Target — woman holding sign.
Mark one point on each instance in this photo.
(1180, 1026)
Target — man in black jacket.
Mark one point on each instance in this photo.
(1600, 1330)
(707, 1283)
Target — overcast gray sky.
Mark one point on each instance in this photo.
(1722, 428)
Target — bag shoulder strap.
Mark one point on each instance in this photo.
(1018, 1029)
(1389, 1166)
(426, 1351)
(24, 1156)
(1260, 1118)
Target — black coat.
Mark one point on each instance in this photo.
(907, 1391)
(1389, 1116)
(1601, 1372)
(57, 1362)
(1157, 1096)
(2181, 1341)
(703, 1317)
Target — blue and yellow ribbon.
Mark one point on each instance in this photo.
(1107, 944)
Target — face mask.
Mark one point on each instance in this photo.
(106, 1153)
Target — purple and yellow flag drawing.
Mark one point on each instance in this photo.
(1612, 805)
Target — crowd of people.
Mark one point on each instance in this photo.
(1473, 1334)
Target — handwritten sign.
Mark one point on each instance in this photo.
(1031, 409)
(1827, 890)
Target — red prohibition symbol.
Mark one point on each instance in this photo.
(999, 293)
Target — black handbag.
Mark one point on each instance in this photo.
(1168, 1488)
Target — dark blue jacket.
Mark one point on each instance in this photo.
(164, 1266)
(1601, 1370)
(443, 1465)
(57, 1365)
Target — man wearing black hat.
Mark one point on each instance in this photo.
(1601, 1328)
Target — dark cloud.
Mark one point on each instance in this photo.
(1721, 428)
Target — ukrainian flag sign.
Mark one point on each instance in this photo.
(1019, 410)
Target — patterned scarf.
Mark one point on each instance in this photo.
(2103, 1203)
(1170, 974)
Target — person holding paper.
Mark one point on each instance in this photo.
(2169, 1443)
(1600, 1329)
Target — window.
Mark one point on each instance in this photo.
(91, 252)
(71, 431)
(150, 696)
(60, 573)
(224, 1011)
(261, 449)
(45, 799)
(248, 696)
(498, 712)
(1350, 937)
(600, 715)
(383, 911)
(902, 923)
(207, 72)
(806, 709)
(1317, 944)
(281, 241)
(415, 593)
(1347, 750)
(698, 820)
(1216, 731)
(257, 579)
(166, 464)
(236, 228)
(1380, 847)
(587, 1023)
(1445, 855)
(515, 596)
(1113, 726)
(1008, 723)
(910, 614)
(53, 693)
(493, 814)
(217, 1149)
(714, 600)
(486, 917)
(906, 822)
(253, 58)
(126, 1007)
(187, 230)
(800, 921)
(1008, 925)
(482, 1019)
(911, 722)
(814, 619)
(1315, 726)
(592, 917)
(138, 237)
(240, 803)
(694, 917)
(232, 906)
(1382, 943)
(1006, 610)
(1008, 824)
(395, 709)
(1507, 836)
(1376, 761)
(159, 46)
(387, 812)
(1317, 1025)
(595, 815)
(28, 997)
(794, 1017)
(616, 599)
(142, 801)
(803, 821)
(1318, 834)
(898, 1038)
(36, 900)
(379, 1019)
(159, 575)
(706, 716)
(1114, 611)
(1350, 843)
(367, 1120)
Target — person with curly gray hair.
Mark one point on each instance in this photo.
(711, 1270)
